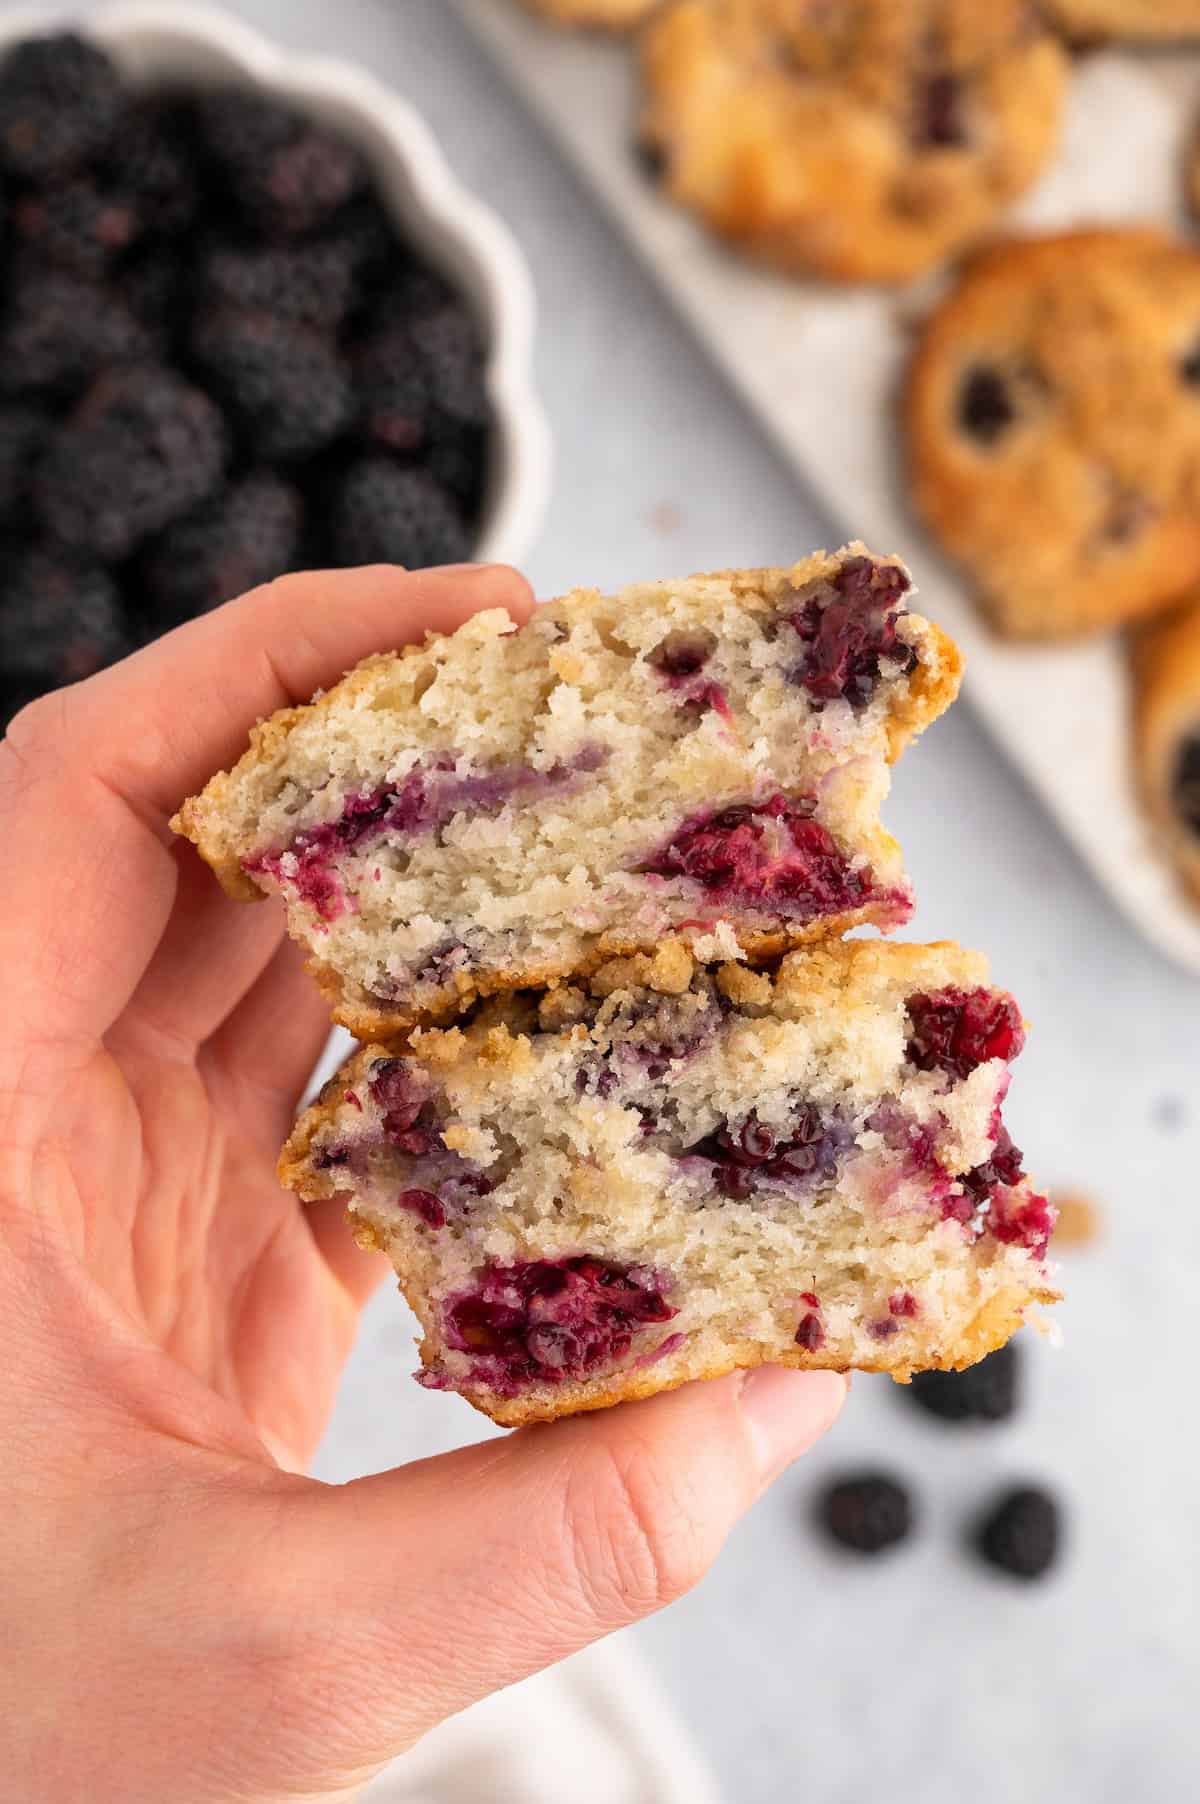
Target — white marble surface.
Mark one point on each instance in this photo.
(922, 1678)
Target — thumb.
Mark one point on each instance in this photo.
(433, 1585)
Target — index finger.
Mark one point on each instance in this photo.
(90, 776)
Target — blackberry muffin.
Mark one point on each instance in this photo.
(1053, 421)
(699, 761)
(1166, 659)
(863, 141)
(666, 1172)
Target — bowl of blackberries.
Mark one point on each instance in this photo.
(249, 324)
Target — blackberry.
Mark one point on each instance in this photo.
(986, 1392)
(60, 98)
(385, 514)
(457, 459)
(286, 174)
(156, 286)
(365, 233)
(311, 284)
(143, 448)
(986, 408)
(60, 620)
(412, 290)
(868, 1512)
(450, 346)
(1021, 1532)
(78, 225)
(153, 159)
(60, 330)
(393, 391)
(22, 430)
(243, 536)
(286, 385)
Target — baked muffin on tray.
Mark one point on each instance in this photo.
(665, 1172)
(697, 762)
(1053, 421)
(859, 140)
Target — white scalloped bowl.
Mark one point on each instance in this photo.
(197, 46)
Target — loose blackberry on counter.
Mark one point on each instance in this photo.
(869, 1512)
(986, 1392)
(1021, 1533)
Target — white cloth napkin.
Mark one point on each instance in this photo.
(596, 1730)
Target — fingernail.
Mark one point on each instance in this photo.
(787, 1411)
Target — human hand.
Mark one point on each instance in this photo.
(183, 1614)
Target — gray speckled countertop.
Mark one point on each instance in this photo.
(921, 1678)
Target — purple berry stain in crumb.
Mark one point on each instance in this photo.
(956, 1030)
(679, 659)
(397, 1094)
(664, 1349)
(543, 1321)
(883, 1329)
(754, 1156)
(424, 1204)
(328, 1158)
(424, 802)
(771, 855)
(847, 625)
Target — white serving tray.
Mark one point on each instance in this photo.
(820, 367)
